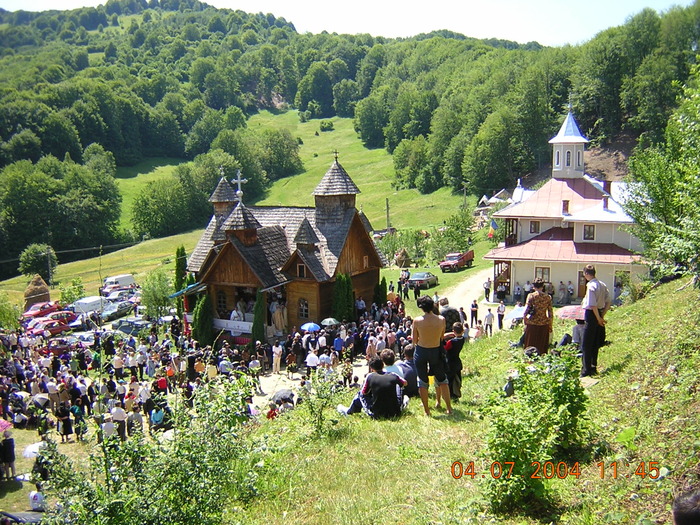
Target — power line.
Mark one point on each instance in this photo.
(89, 248)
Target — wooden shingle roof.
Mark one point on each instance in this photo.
(224, 192)
(204, 246)
(336, 181)
(305, 234)
(241, 218)
(267, 256)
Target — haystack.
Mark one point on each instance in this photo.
(403, 260)
(37, 292)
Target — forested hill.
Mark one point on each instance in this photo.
(177, 78)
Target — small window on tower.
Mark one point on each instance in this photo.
(556, 159)
(301, 271)
(589, 232)
(534, 226)
(365, 261)
(578, 159)
(568, 158)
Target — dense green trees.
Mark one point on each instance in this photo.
(665, 189)
(38, 258)
(178, 78)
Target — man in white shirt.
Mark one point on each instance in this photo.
(312, 362)
(488, 323)
(501, 312)
(119, 416)
(108, 428)
(596, 303)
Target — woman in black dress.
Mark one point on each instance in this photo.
(63, 416)
(7, 455)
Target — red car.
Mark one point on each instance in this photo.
(41, 310)
(51, 327)
(456, 261)
(62, 316)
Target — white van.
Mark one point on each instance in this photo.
(117, 282)
(87, 305)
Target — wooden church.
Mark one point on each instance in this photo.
(291, 254)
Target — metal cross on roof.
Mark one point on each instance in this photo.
(238, 180)
(335, 152)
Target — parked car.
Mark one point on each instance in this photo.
(456, 261)
(63, 317)
(422, 280)
(116, 310)
(57, 347)
(49, 327)
(118, 282)
(132, 325)
(41, 310)
(120, 295)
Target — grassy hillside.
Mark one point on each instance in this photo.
(371, 169)
(644, 409)
(137, 260)
(133, 179)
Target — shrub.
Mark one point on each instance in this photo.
(179, 480)
(545, 418)
(326, 125)
(323, 396)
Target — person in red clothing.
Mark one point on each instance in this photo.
(273, 412)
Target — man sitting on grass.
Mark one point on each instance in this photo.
(380, 395)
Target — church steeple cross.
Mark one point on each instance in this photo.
(335, 153)
(238, 180)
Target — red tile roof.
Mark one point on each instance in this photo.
(547, 201)
(557, 244)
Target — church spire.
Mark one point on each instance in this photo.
(567, 150)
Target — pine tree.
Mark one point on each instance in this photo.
(340, 296)
(203, 322)
(349, 301)
(180, 275)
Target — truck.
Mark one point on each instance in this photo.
(88, 305)
(456, 261)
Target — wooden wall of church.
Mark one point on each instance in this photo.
(296, 292)
(357, 247)
(363, 285)
(230, 269)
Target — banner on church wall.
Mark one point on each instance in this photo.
(235, 327)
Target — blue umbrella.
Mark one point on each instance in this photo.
(310, 327)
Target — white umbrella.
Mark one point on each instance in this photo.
(32, 451)
(516, 313)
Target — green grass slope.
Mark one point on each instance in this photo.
(644, 409)
(137, 260)
(371, 169)
(132, 180)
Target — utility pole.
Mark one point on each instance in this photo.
(464, 202)
(388, 222)
(48, 262)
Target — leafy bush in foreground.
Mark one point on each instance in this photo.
(190, 477)
(545, 417)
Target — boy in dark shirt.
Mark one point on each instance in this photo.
(380, 394)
